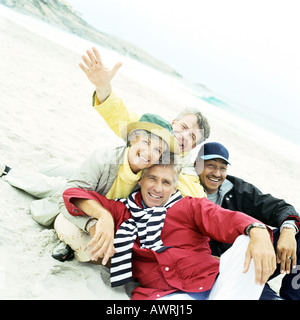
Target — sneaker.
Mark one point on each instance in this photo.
(4, 170)
(63, 252)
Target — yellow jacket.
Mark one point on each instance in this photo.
(116, 115)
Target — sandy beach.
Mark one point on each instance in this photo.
(46, 114)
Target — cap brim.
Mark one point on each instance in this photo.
(214, 156)
(154, 129)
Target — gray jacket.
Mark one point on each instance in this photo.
(97, 173)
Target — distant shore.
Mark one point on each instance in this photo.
(46, 114)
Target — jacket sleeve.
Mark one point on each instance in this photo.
(116, 115)
(86, 177)
(189, 185)
(264, 207)
(218, 223)
(116, 208)
(114, 112)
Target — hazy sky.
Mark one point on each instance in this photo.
(247, 50)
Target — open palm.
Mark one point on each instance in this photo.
(96, 72)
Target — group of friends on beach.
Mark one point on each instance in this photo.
(177, 226)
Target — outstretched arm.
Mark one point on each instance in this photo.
(108, 104)
(98, 74)
(102, 232)
(228, 225)
(275, 213)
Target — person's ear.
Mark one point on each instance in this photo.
(199, 166)
(174, 190)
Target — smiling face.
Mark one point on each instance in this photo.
(157, 185)
(187, 132)
(213, 174)
(145, 151)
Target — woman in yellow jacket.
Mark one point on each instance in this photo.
(190, 127)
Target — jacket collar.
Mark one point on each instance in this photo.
(225, 187)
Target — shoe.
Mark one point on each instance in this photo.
(4, 170)
(63, 252)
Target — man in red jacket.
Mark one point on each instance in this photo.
(161, 240)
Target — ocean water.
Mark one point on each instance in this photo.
(288, 130)
(284, 135)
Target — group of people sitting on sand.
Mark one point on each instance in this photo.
(178, 226)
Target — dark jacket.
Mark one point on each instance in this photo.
(239, 195)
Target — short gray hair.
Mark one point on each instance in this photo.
(144, 133)
(166, 157)
(175, 166)
(201, 120)
(147, 134)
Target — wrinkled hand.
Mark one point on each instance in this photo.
(102, 242)
(261, 250)
(286, 247)
(97, 73)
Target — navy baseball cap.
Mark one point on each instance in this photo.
(213, 150)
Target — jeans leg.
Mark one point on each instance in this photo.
(290, 287)
(74, 237)
(269, 294)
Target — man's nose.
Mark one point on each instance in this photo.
(158, 187)
(183, 136)
(217, 172)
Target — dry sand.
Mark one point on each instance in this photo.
(46, 114)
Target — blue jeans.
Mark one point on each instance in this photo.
(290, 287)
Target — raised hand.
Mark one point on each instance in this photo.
(98, 74)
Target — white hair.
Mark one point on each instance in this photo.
(175, 166)
(144, 133)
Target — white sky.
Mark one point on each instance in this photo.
(246, 50)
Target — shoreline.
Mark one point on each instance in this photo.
(46, 114)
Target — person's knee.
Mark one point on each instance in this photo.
(74, 237)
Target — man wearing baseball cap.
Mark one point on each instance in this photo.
(236, 194)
